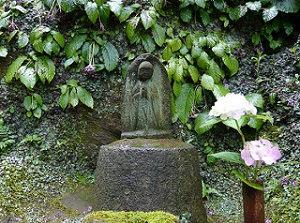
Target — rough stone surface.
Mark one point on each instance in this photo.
(146, 107)
(149, 175)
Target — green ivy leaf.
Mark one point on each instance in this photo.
(234, 14)
(177, 86)
(207, 82)
(116, 7)
(196, 52)
(256, 39)
(219, 49)
(37, 33)
(12, 35)
(38, 45)
(148, 43)
(186, 14)
(147, 20)
(4, 21)
(64, 100)
(215, 71)
(254, 6)
(270, 13)
(287, 6)
(50, 69)
(159, 34)
(75, 45)
(27, 103)
(110, 56)
(28, 78)
(178, 75)
(23, 39)
(175, 44)
(167, 53)
(72, 83)
(92, 12)
(184, 102)
(41, 67)
(231, 63)
(3, 51)
(131, 27)
(194, 73)
(211, 40)
(203, 61)
(37, 112)
(74, 97)
(256, 99)
(125, 13)
(104, 12)
(67, 5)
(204, 17)
(14, 67)
(59, 38)
(47, 47)
(85, 97)
(200, 3)
(198, 95)
(38, 98)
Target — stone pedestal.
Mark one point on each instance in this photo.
(149, 175)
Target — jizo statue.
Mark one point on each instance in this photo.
(146, 99)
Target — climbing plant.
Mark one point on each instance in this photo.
(272, 14)
(197, 61)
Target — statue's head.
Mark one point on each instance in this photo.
(145, 71)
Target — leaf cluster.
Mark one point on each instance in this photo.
(229, 12)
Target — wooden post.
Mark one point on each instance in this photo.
(253, 201)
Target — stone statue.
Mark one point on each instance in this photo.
(146, 100)
(148, 170)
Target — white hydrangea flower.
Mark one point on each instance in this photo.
(232, 106)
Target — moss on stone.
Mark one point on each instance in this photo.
(130, 217)
(150, 143)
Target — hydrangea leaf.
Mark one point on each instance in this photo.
(232, 157)
(256, 99)
(204, 122)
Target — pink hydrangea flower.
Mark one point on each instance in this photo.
(257, 152)
(232, 106)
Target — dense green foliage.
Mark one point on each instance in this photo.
(55, 57)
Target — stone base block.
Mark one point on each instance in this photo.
(149, 175)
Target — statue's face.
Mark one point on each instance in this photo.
(145, 71)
